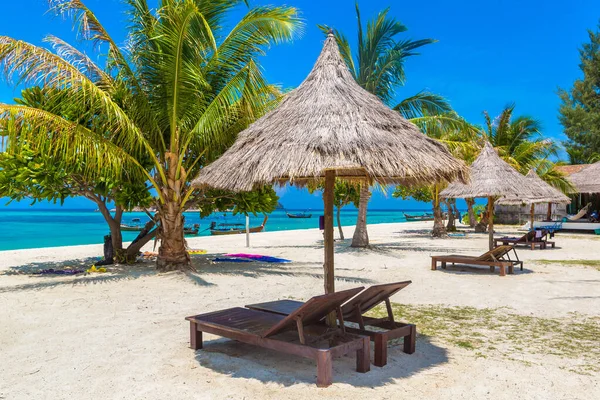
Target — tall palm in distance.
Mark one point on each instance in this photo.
(377, 65)
(170, 102)
(519, 141)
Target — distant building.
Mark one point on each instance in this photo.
(521, 214)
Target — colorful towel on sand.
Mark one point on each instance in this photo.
(234, 260)
(258, 257)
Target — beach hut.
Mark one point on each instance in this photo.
(588, 179)
(544, 194)
(330, 127)
(494, 179)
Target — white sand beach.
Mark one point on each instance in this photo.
(122, 335)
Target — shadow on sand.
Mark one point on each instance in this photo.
(460, 269)
(240, 360)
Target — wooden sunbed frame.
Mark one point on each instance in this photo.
(527, 239)
(353, 310)
(498, 257)
(276, 332)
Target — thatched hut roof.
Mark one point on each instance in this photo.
(493, 177)
(588, 179)
(545, 192)
(330, 123)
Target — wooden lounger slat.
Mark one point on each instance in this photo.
(275, 332)
(498, 257)
(352, 311)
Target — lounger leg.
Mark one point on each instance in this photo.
(492, 269)
(433, 264)
(195, 336)
(502, 270)
(363, 356)
(410, 340)
(324, 369)
(511, 269)
(381, 345)
(443, 264)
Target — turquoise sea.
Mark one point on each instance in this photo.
(25, 229)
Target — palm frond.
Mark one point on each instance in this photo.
(423, 103)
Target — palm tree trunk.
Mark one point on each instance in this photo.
(439, 230)
(172, 254)
(361, 236)
(339, 222)
(451, 225)
(472, 217)
(483, 223)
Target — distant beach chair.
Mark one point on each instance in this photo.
(582, 213)
(353, 311)
(498, 257)
(309, 339)
(530, 239)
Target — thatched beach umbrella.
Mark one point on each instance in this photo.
(588, 179)
(494, 179)
(330, 127)
(546, 194)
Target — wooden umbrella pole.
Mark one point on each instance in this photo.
(549, 213)
(491, 222)
(328, 236)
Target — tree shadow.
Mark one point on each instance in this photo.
(240, 360)
(114, 273)
(462, 269)
(256, 269)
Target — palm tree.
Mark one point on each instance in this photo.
(519, 141)
(378, 66)
(170, 102)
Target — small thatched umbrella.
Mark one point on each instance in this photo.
(544, 193)
(329, 126)
(588, 179)
(494, 179)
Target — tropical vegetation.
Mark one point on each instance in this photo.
(155, 111)
(580, 108)
(377, 65)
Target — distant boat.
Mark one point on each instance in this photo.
(235, 228)
(191, 230)
(298, 215)
(422, 217)
(132, 227)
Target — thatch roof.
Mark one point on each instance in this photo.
(570, 169)
(330, 123)
(493, 177)
(588, 179)
(545, 192)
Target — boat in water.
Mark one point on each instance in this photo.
(187, 230)
(298, 215)
(422, 217)
(235, 228)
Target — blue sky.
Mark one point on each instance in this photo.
(490, 53)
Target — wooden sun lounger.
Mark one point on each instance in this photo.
(296, 333)
(353, 310)
(528, 239)
(498, 257)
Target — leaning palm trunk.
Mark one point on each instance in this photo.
(361, 236)
(439, 230)
(483, 223)
(451, 225)
(472, 217)
(339, 222)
